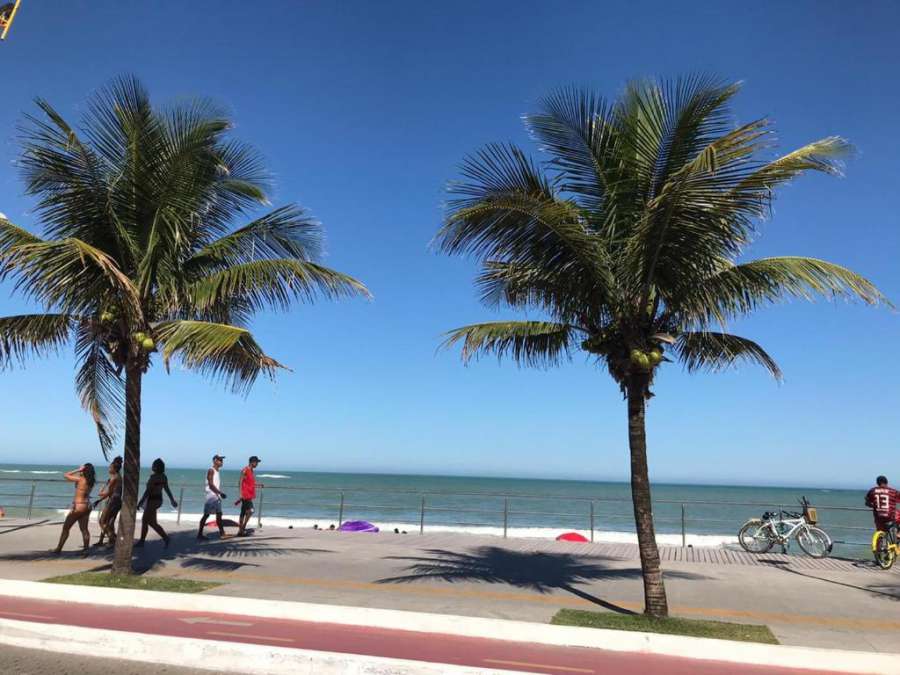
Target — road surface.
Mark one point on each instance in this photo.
(368, 641)
(18, 661)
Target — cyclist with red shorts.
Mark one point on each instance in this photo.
(883, 500)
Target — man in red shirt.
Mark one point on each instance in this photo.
(247, 488)
(882, 499)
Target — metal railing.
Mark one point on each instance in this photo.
(421, 504)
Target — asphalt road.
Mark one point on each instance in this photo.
(18, 661)
(368, 641)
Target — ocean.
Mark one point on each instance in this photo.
(709, 515)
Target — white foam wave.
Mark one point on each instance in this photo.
(43, 472)
(271, 475)
(10, 471)
(605, 536)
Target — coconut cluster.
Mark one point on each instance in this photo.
(646, 360)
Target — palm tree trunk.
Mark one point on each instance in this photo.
(655, 603)
(131, 470)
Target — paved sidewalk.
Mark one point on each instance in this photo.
(831, 603)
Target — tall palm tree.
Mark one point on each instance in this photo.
(141, 257)
(628, 242)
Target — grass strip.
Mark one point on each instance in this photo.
(719, 630)
(134, 581)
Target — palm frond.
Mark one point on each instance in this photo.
(711, 351)
(578, 129)
(739, 289)
(530, 343)
(33, 335)
(271, 283)
(219, 351)
(509, 211)
(71, 274)
(99, 386)
(10, 237)
(286, 232)
(825, 155)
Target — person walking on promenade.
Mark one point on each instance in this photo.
(112, 493)
(883, 500)
(153, 497)
(247, 490)
(84, 478)
(214, 496)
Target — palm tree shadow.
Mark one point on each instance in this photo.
(215, 554)
(538, 571)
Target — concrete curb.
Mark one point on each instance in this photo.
(218, 657)
(512, 631)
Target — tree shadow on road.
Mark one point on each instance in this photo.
(538, 571)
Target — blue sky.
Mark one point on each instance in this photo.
(364, 111)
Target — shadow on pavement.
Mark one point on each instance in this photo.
(212, 554)
(539, 571)
(889, 591)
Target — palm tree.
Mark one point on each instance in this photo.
(627, 242)
(141, 256)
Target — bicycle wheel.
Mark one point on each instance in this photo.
(815, 542)
(755, 536)
(882, 551)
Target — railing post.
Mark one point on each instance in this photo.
(180, 502)
(30, 500)
(592, 521)
(505, 515)
(683, 533)
(422, 517)
(259, 514)
(341, 511)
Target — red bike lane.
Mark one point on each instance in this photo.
(368, 641)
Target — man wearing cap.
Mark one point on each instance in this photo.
(247, 490)
(214, 497)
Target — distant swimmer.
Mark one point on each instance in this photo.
(214, 496)
(112, 493)
(153, 496)
(84, 478)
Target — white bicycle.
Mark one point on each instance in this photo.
(759, 535)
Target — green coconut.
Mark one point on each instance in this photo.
(139, 337)
(655, 356)
(148, 344)
(106, 317)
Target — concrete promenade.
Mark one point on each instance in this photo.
(836, 604)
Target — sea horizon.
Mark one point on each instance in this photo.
(705, 515)
(722, 483)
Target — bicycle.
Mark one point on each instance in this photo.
(759, 535)
(884, 546)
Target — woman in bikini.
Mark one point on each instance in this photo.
(84, 478)
(112, 493)
(153, 497)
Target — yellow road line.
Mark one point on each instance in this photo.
(553, 600)
(530, 598)
(525, 664)
(248, 636)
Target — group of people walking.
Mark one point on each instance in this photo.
(85, 478)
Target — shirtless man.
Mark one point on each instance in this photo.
(84, 478)
(112, 493)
